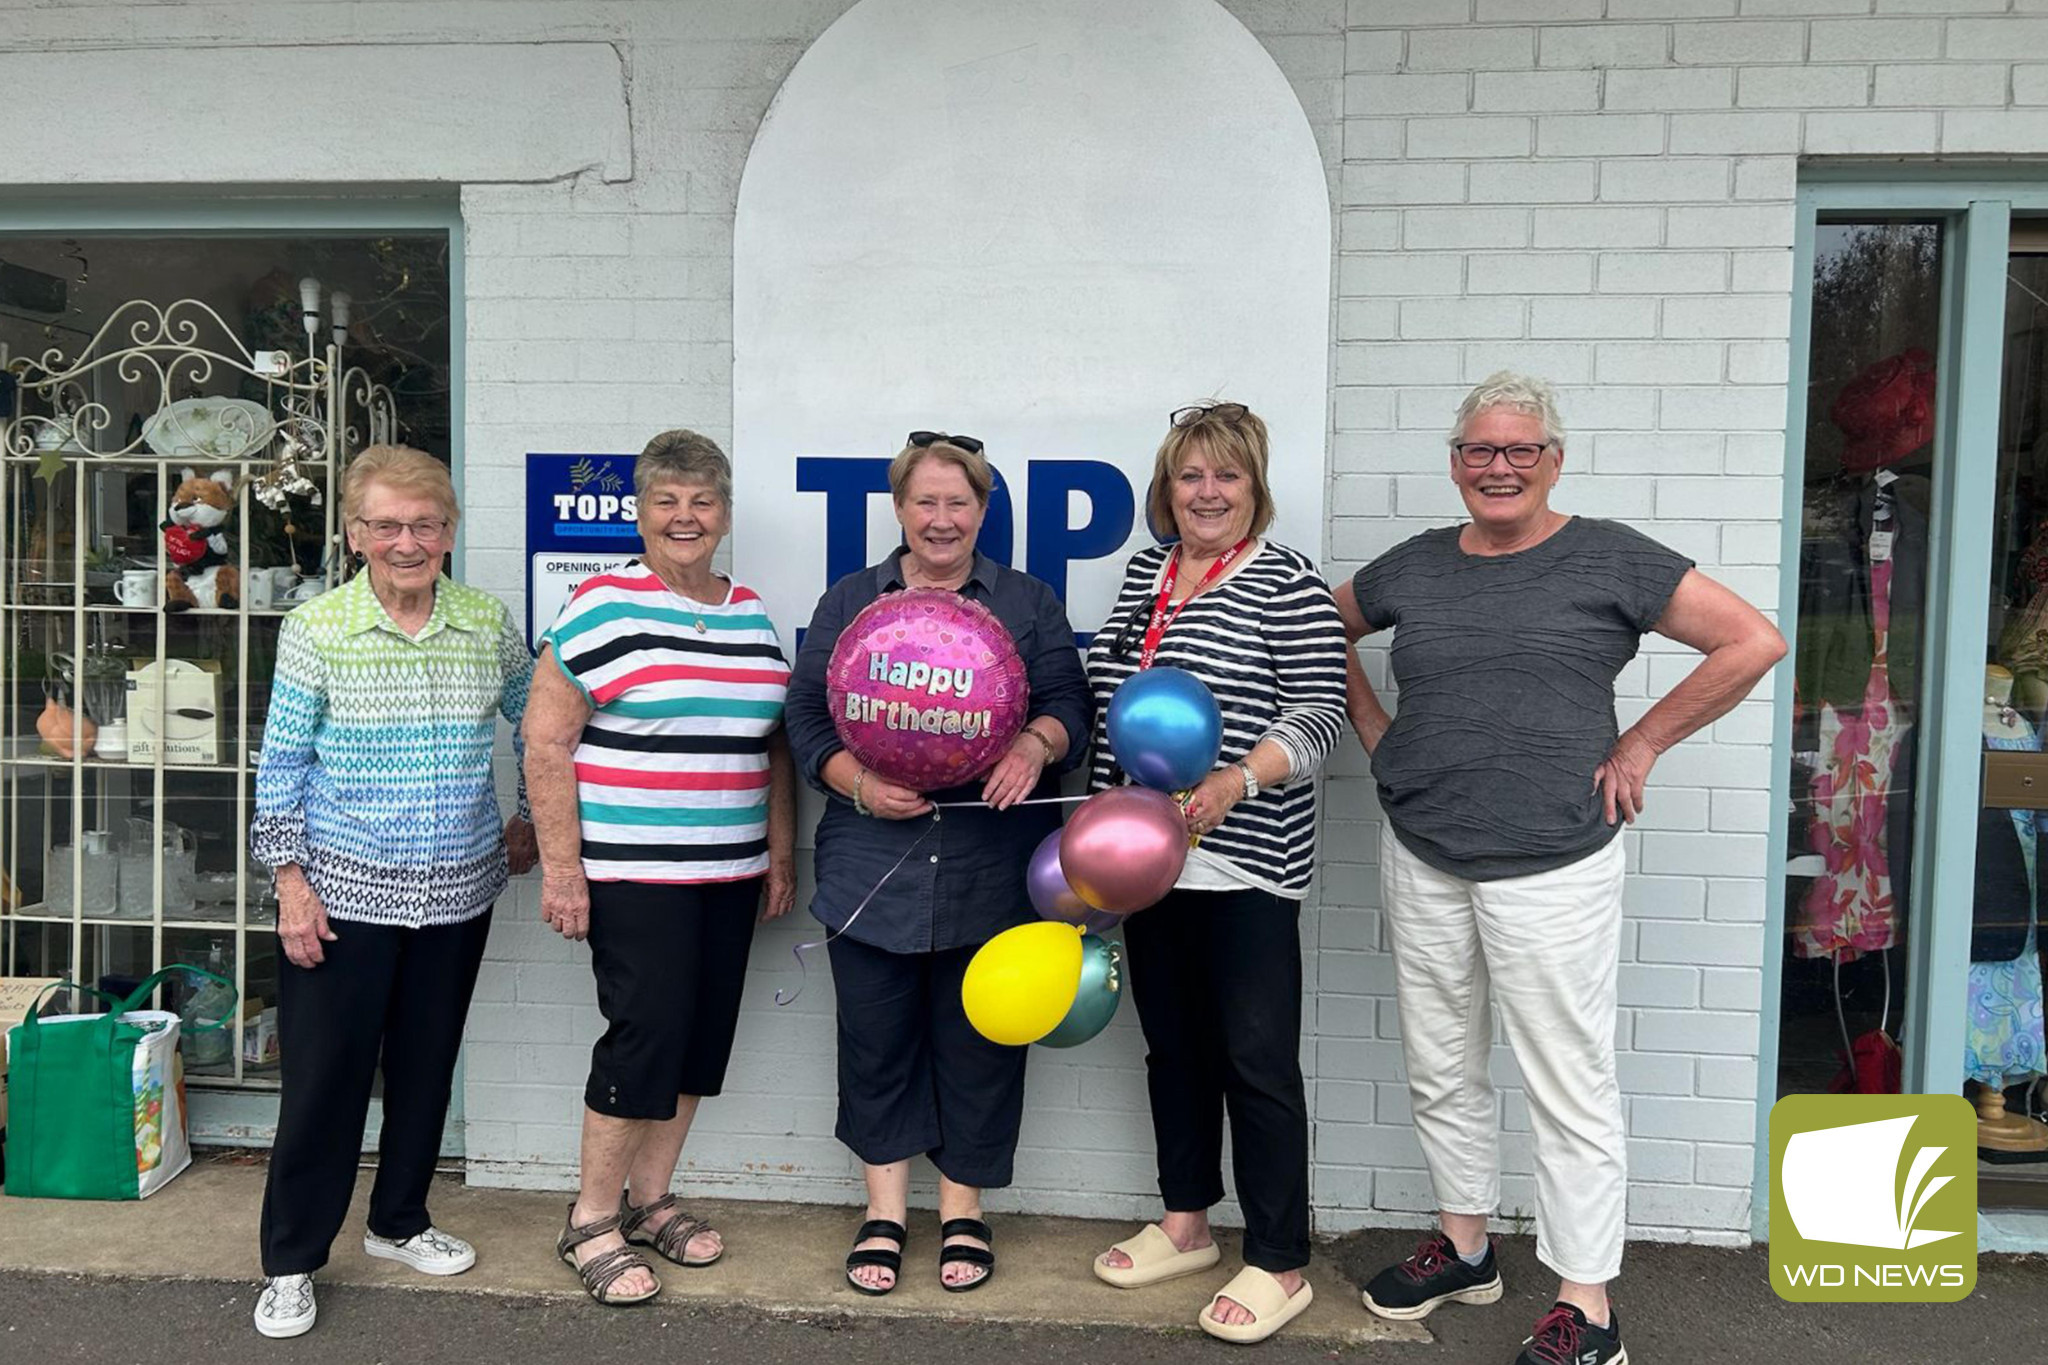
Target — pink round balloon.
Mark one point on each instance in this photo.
(1124, 848)
(926, 688)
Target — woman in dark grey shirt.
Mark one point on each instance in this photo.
(1505, 779)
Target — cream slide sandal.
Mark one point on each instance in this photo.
(1154, 1258)
(1272, 1307)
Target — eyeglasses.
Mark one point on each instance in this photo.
(1196, 412)
(1478, 454)
(921, 439)
(426, 530)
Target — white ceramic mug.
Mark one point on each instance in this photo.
(261, 595)
(283, 578)
(308, 589)
(137, 588)
(112, 741)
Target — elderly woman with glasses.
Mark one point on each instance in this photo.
(914, 1076)
(375, 808)
(666, 807)
(1216, 966)
(1505, 780)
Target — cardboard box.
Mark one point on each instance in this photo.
(175, 706)
(17, 994)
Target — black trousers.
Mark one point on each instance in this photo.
(914, 1076)
(671, 965)
(384, 994)
(1217, 979)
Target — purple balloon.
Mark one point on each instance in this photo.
(1124, 848)
(1052, 898)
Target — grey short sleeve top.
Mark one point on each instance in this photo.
(1505, 666)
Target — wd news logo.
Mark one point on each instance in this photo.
(1873, 1198)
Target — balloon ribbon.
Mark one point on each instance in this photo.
(801, 948)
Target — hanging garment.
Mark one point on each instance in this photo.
(2003, 1044)
(1851, 908)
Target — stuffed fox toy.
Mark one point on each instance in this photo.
(201, 568)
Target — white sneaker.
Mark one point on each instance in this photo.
(432, 1252)
(285, 1308)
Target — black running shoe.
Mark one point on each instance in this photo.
(1433, 1275)
(1564, 1337)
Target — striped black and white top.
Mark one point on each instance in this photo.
(1268, 642)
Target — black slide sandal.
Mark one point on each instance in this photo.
(981, 1256)
(891, 1261)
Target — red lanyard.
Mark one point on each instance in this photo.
(1161, 617)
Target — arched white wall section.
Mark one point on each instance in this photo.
(1042, 222)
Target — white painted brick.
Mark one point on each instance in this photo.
(1741, 812)
(1675, 808)
(1875, 40)
(1663, 452)
(1669, 9)
(1605, 408)
(1774, 177)
(1427, 409)
(1367, 320)
(1760, 272)
(1594, 496)
(1663, 272)
(2022, 131)
(1688, 1206)
(1732, 497)
(1604, 45)
(1649, 1074)
(1749, 41)
(1381, 183)
(1736, 900)
(1670, 987)
(1368, 230)
(1664, 88)
(1751, 543)
(1717, 1163)
(1720, 134)
(1737, 316)
(1361, 496)
(1710, 944)
(1651, 1159)
(1534, 182)
(1558, 363)
(1413, 272)
(1872, 134)
(1471, 49)
(1992, 39)
(1652, 897)
(1552, 272)
(1602, 226)
(1663, 181)
(1537, 91)
(1732, 988)
(1436, 498)
(1378, 50)
(1758, 362)
(1805, 7)
(1731, 408)
(1940, 86)
(2030, 85)
(1403, 363)
(1382, 93)
(1468, 137)
(1693, 1120)
(1456, 229)
(1600, 135)
(1405, 13)
(1696, 1031)
(1362, 409)
(1668, 362)
(1803, 87)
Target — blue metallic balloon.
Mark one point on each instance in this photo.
(1096, 1001)
(1165, 729)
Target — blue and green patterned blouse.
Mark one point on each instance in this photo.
(375, 772)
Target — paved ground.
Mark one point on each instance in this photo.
(1680, 1305)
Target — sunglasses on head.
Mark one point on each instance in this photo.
(1196, 412)
(921, 439)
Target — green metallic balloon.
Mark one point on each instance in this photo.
(1102, 987)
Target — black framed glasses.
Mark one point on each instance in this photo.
(1196, 412)
(970, 444)
(1478, 454)
(1125, 645)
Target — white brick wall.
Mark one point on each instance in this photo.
(1599, 189)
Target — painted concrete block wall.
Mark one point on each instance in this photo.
(1598, 190)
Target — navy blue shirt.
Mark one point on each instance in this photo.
(965, 883)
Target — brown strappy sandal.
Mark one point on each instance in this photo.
(671, 1240)
(602, 1271)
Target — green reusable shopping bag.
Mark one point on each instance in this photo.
(72, 1121)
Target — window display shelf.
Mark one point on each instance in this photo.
(113, 867)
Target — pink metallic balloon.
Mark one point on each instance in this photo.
(926, 688)
(1124, 848)
(1052, 898)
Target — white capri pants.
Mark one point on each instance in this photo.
(1545, 948)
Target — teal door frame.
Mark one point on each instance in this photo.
(249, 1117)
(1976, 216)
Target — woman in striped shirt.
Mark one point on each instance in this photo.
(665, 802)
(1216, 965)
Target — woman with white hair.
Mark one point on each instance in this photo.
(1505, 779)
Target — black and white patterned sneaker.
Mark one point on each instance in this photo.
(1564, 1337)
(1433, 1276)
(432, 1252)
(285, 1308)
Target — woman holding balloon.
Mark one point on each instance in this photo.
(1216, 965)
(916, 870)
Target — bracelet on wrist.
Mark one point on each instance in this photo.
(860, 807)
(1043, 743)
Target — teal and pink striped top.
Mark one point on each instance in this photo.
(672, 768)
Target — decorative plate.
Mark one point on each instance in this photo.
(209, 429)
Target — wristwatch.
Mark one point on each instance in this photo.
(1251, 779)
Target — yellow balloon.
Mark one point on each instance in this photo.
(1023, 981)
